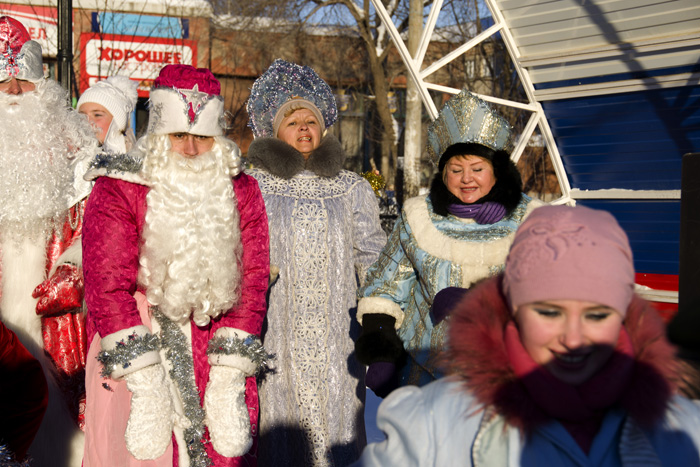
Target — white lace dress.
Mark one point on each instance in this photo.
(324, 235)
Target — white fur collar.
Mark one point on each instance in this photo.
(477, 259)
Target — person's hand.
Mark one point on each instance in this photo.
(60, 293)
(380, 348)
(228, 419)
(444, 302)
(382, 378)
(151, 417)
(378, 341)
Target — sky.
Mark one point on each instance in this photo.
(342, 16)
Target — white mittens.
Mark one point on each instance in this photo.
(227, 414)
(150, 425)
(132, 354)
(233, 355)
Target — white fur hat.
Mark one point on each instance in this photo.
(185, 99)
(117, 94)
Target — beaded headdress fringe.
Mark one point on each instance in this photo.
(281, 82)
(466, 118)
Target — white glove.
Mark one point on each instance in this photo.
(150, 426)
(227, 415)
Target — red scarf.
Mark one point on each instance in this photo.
(579, 408)
(479, 356)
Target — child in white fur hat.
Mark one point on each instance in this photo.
(108, 106)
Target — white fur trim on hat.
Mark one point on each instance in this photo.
(185, 111)
(28, 64)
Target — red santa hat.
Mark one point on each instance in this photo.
(185, 99)
(20, 57)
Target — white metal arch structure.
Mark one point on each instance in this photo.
(420, 71)
(572, 42)
(613, 88)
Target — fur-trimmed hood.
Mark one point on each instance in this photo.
(479, 358)
(281, 159)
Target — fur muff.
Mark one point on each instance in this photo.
(282, 160)
(507, 190)
(479, 357)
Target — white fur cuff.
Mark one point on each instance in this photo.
(379, 305)
(128, 350)
(236, 349)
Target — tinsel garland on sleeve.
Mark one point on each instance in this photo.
(126, 351)
(7, 458)
(250, 348)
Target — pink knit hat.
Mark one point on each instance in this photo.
(185, 99)
(570, 253)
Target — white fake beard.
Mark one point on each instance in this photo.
(36, 148)
(39, 138)
(191, 238)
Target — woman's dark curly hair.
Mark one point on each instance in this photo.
(508, 187)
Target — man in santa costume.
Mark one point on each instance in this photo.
(43, 144)
(176, 261)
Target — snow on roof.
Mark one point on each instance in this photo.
(454, 33)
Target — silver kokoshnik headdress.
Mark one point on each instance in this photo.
(282, 84)
(466, 118)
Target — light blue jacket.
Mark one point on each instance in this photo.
(442, 425)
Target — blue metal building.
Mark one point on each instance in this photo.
(612, 86)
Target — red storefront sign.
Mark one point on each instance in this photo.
(138, 58)
(40, 21)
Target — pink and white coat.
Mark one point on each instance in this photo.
(114, 221)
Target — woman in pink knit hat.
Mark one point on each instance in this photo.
(554, 362)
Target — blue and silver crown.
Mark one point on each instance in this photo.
(466, 118)
(281, 82)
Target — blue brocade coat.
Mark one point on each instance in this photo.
(426, 253)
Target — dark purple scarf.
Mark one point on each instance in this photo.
(489, 212)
